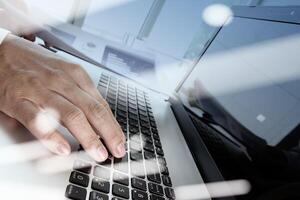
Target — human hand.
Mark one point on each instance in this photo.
(34, 79)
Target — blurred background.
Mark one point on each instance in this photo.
(155, 41)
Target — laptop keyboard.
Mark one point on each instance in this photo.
(142, 173)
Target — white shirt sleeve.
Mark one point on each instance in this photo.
(3, 34)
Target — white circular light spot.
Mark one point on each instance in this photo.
(217, 15)
(47, 121)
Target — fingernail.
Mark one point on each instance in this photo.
(121, 149)
(102, 153)
(63, 149)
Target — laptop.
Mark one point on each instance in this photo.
(226, 132)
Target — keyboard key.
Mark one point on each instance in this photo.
(135, 155)
(156, 136)
(134, 123)
(170, 193)
(156, 189)
(154, 130)
(116, 198)
(75, 193)
(135, 137)
(155, 197)
(121, 164)
(79, 179)
(100, 185)
(102, 90)
(132, 116)
(144, 118)
(120, 191)
(153, 124)
(134, 146)
(133, 129)
(144, 124)
(154, 178)
(148, 155)
(157, 143)
(139, 195)
(167, 180)
(82, 166)
(97, 196)
(148, 147)
(121, 178)
(139, 184)
(121, 119)
(106, 163)
(147, 138)
(102, 172)
(159, 151)
(146, 131)
(137, 169)
(164, 170)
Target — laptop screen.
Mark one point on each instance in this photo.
(250, 70)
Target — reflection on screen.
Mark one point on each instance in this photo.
(252, 70)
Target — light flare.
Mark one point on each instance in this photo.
(217, 15)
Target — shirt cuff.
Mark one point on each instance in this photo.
(3, 34)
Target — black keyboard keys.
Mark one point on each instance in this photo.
(156, 189)
(170, 193)
(133, 111)
(100, 185)
(75, 193)
(139, 195)
(139, 184)
(120, 191)
(155, 197)
(148, 147)
(148, 155)
(82, 166)
(97, 196)
(154, 177)
(117, 198)
(135, 155)
(121, 178)
(167, 180)
(121, 164)
(157, 143)
(159, 151)
(79, 179)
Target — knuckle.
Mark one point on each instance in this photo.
(73, 115)
(68, 88)
(97, 109)
(106, 105)
(56, 74)
(33, 81)
(76, 69)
